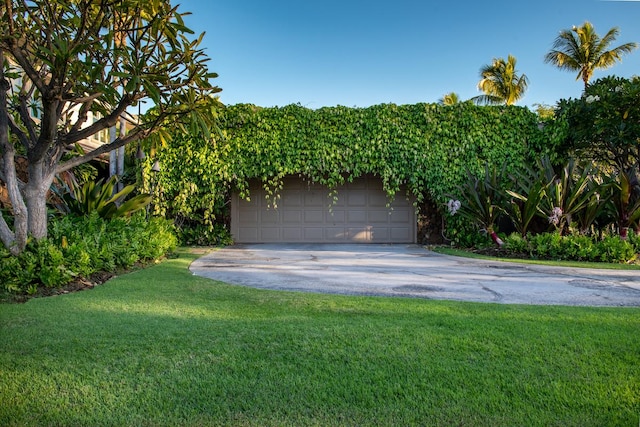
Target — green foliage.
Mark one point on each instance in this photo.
(545, 112)
(193, 186)
(500, 82)
(425, 147)
(604, 123)
(569, 191)
(625, 198)
(96, 57)
(81, 246)
(529, 189)
(581, 49)
(99, 197)
(614, 249)
(481, 199)
(576, 247)
(201, 235)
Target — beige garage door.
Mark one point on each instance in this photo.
(303, 214)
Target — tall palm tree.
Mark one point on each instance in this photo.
(501, 83)
(581, 49)
(451, 98)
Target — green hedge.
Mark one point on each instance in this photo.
(575, 247)
(80, 246)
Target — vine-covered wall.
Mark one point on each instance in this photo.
(428, 147)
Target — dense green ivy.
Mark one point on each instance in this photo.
(427, 147)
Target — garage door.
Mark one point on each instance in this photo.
(360, 215)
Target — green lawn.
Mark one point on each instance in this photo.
(162, 347)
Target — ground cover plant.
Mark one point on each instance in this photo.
(79, 247)
(162, 347)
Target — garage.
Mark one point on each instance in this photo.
(303, 214)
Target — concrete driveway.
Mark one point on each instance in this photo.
(413, 271)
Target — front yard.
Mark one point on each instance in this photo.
(162, 347)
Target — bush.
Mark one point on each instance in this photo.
(82, 246)
(575, 247)
(203, 235)
(614, 249)
(516, 244)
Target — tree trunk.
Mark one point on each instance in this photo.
(15, 241)
(36, 199)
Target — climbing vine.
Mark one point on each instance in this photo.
(425, 147)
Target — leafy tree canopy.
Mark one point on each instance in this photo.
(605, 122)
(581, 49)
(501, 83)
(62, 59)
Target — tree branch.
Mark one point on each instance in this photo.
(117, 143)
(76, 135)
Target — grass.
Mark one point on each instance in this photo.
(558, 263)
(160, 347)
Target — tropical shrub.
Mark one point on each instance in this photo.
(625, 199)
(569, 191)
(99, 196)
(202, 235)
(577, 247)
(481, 201)
(528, 188)
(80, 246)
(614, 249)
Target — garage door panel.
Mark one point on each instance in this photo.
(399, 233)
(400, 216)
(314, 234)
(359, 234)
(270, 234)
(315, 199)
(248, 216)
(292, 234)
(335, 234)
(292, 198)
(334, 216)
(357, 216)
(247, 234)
(306, 213)
(378, 216)
(380, 233)
(271, 216)
(378, 200)
(292, 216)
(357, 199)
(314, 217)
(357, 184)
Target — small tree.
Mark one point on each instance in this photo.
(501, 83)
(581, 49)
(450, 98)
(62, 59)
(604, 123)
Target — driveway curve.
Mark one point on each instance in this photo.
(413, 271)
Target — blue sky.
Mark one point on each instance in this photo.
(362, 53)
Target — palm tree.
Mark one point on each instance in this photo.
(451, 98)
(501, 83)
(581, 49)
